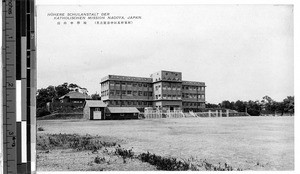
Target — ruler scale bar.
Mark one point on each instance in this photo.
(19, 86)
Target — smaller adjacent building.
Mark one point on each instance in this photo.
(121, 113)
(94, 110)
(75, 98)
(98, 110)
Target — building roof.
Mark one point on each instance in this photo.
(126, 78)
(194, 83)
(76, 95)
(94, 103)
(122, 110)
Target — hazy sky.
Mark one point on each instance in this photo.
(240, 51)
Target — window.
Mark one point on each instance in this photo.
(128, 84)
(112, 92)
(140, 85)
(122, 102)
(129, 102)
(150, 93)
(174, 96)
(156, 96)
(164, 96)
(140, 93)
(111, 83)
(186, 87)
(118, 92)
(123, 83)
(117, 83)
(145, 85)
(134, 102)
(123, 92)
(97, 109)
(145, 93)
(129, 92)
(134, 93)
(134, 84)
(159, 96)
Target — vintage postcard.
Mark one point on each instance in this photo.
(165, 87)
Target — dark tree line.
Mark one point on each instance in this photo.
(53, 93)
(266, 106)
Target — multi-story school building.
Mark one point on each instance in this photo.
(164, 89)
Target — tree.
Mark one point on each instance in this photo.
(210, 105)
(96, 96)
(240, 106)
(45, 95)
(269, 105)
(227, 104)
(289, 104)
(62, 89)
(254, 108)
(52, 93)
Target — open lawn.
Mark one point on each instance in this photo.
(249, 143)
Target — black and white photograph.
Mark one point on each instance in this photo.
(165, 87)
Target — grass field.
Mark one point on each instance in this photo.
(249, 143)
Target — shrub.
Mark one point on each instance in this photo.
(124, 152)
(163, 163)
(40, 112)
(99, 160)
(73, 141)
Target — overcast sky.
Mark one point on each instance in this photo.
(240, 51)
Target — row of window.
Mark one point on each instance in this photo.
(193, 104)
(179, 87)
(165, 96)
(178, 97)
(168, 78)
(129, 103)
(199, 88)
(168, 87)
(187, 95)
(164, 86)
(126, 93)
(111, 83)
(77, 101)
